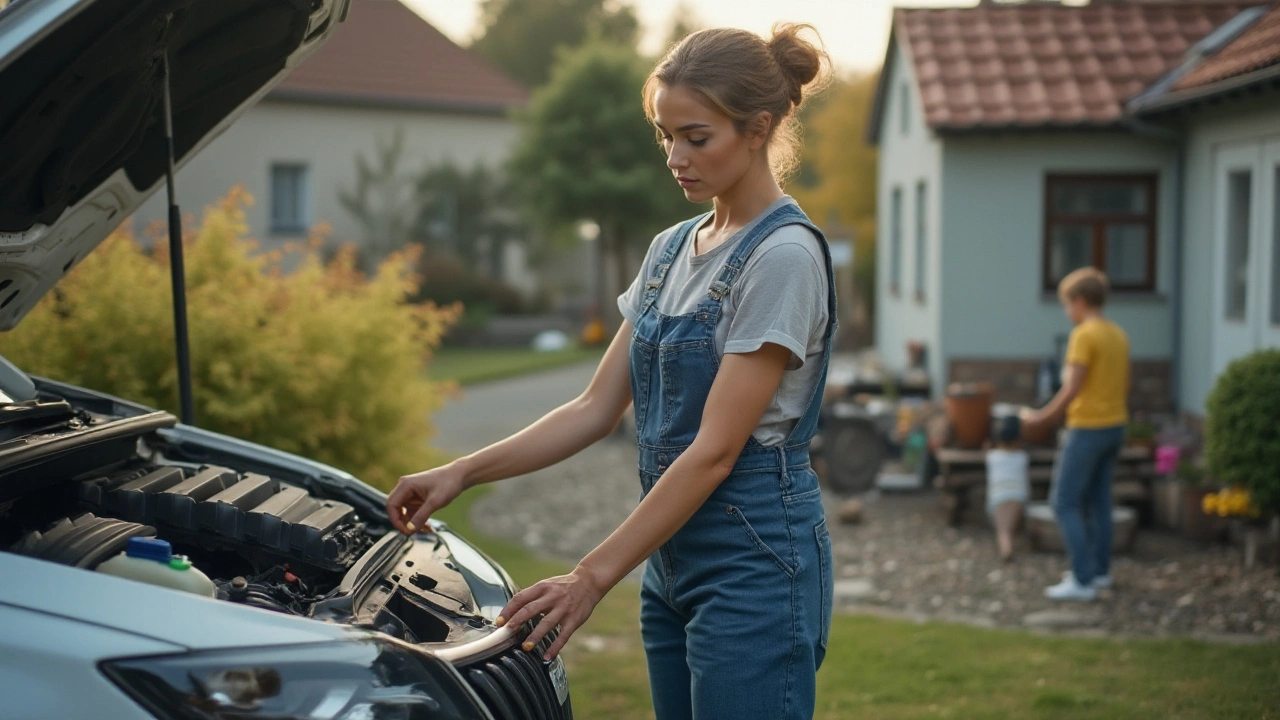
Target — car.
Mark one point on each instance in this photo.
(153, 569)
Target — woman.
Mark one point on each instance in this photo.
(723, 352)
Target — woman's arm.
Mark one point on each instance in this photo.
(744, 386)
(557, 435)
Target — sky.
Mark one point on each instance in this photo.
(854, 31)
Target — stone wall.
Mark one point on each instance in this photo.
(1015, 381)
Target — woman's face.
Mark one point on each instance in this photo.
(706, 153)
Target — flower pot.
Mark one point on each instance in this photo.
(1195, 524)
(1166, 502)
(969, 412)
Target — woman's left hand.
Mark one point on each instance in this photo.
(564, 600)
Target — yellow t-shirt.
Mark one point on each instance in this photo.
(1102, 347)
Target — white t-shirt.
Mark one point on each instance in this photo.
(1007, 476)
(779, 297)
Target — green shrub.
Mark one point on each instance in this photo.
(321, 360)
(1242, 428)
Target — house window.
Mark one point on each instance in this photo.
(904, 106)
(289, 198)
(1104, 221)
(895, 242)
(1239, 208)
(921, 240)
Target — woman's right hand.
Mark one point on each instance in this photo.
(417, 496)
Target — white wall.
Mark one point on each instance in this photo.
(993, 237)
(905, 159)
(327, 139)
(1232, 122)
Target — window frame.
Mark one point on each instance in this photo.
(895, 240)
(303, 200)
(922, 239)
(904, 121)
(1099, 223)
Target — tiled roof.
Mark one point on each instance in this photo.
(386, 54)
(1037, 65)
(1256, 48)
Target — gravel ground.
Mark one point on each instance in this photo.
(902, 560)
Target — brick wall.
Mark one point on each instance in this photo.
(1015, 380)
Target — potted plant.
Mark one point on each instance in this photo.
(1236, 504)
(1242, 432)
(1141, 433)
(969, 410)
(1194, 522)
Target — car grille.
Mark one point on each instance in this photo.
(515, 685)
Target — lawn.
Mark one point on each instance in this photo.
(467, 366)
(879, 668)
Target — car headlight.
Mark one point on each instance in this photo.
(358, 680)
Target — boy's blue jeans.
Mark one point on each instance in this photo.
(1081, 498)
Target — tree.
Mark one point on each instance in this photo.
(522, 36)
(838, 175)
(382, 200)
(587, 152)
(840, 172)
(469, 213)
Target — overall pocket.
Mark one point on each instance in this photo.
(827, 579)
(754, 537)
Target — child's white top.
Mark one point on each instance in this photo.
(1007, 472)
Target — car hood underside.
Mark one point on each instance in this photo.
(82, 126)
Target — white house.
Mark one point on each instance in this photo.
(1020, 142)
(384, 71)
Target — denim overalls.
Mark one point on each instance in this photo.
(736, 606)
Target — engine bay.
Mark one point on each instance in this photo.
(265, 542)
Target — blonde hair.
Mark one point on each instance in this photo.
(742, 75)
(1088, 283)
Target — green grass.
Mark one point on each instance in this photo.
(890, 669)
(467, 366)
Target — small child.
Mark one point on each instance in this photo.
(1007, 485)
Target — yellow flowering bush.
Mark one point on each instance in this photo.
(318, 360)
(1230, 502)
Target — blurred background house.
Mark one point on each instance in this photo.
(1020, 142)
(384, 135)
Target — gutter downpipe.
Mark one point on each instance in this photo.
(1176, 138)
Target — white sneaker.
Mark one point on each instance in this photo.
(1069, 589)
(1100, 582)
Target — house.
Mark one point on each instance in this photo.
(385, 71)
(1019, 142)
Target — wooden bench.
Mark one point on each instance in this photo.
(960, 470)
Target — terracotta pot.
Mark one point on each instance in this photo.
(1196, 525)
(1040, 434)
(969, 411)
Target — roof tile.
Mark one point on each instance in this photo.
(1037, 64)
(386, 53)
(1256, 48)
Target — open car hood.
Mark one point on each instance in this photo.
(82, 133)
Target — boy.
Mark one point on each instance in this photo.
(1007, 484)
(1094, 391)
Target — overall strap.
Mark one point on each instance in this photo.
(807, 425)
(788, 214)
(653, 285)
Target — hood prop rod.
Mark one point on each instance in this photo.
(176, 267)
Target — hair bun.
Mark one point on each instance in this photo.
(800, 60)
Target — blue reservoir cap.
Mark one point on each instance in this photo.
(149, 549)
